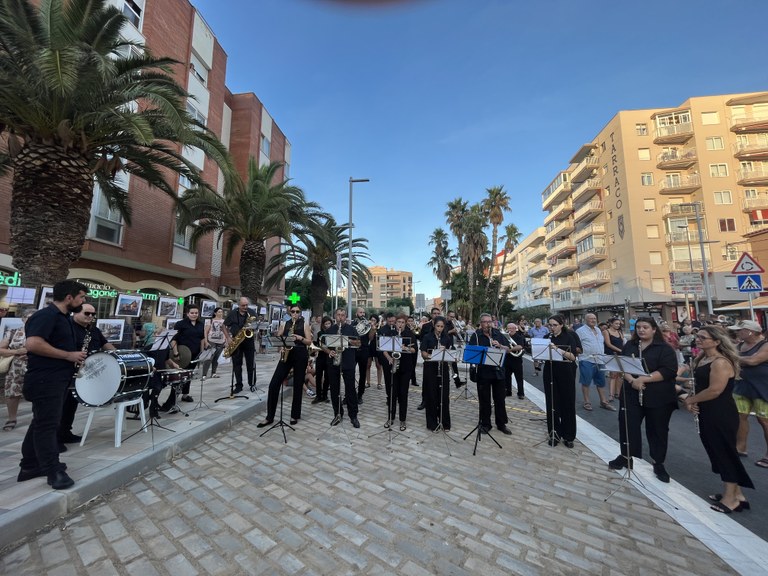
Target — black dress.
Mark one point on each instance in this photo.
(718, 424)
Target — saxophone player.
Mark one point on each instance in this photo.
(84, 328)
(513, 362)
(402, 375)
(295, 359)
(343, 367)
(235, 322)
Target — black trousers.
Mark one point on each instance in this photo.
(40, 448)
(67, 414)
(400, 384)
(436, 394)
(514, 366)
(245, 350)
(560, 396)
(361, 362)
(656, 429)
(321, 375)
(297, 360)
(386, 367)
(350, 394)
(487, 389)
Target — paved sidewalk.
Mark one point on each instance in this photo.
(334, 500)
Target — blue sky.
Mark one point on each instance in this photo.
(438, 99)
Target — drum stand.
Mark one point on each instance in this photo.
(152, 422)
(201, 402)
(281, 423)
(232, 394)
(176, 408)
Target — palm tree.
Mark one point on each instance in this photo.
(476, 246)
(494, 205)
(511, 239)
(248, 215)
(312, 256)
(442, 256)
(73, 110)
(457, 211)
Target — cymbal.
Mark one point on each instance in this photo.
(185, 356)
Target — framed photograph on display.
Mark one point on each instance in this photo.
(207, 307)
(128, 305)
(46, 297)
(7, 325)
(112, 329)
(168, 307)
(170, 323)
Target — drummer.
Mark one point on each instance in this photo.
(190, 332)
(84, 322)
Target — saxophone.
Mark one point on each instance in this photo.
(396, 357)
(245, 332)
(86, 343)
(339, 352)
(285, 351)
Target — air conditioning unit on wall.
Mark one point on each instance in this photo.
(225, 291)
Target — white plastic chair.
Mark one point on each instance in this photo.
(119, 418)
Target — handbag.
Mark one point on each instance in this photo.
(5, 364)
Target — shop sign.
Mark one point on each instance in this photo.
(11, 281)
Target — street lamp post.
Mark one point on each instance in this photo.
(690, 261)
(705, 266)
(349, 254)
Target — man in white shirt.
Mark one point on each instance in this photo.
(592, 342)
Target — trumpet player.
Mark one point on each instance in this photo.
(295, 359)
(84, 325)
(322, 364)
(343, 368)
(363, 352)
(513, 362)
(401, 372)
(235, 322)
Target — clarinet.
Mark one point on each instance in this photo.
(86, 343)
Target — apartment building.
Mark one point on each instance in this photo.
(525, 271)
(385, 285)
(641, 211)
(150, 257)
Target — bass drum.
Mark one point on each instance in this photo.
(112, 376)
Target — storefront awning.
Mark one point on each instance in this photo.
(759, 302)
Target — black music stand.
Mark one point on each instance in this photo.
(466, 393)
(338, 343)
(391, 344)
(543, 349)
(443, 357)
(482, 356)
(232, 394)
(285, 342)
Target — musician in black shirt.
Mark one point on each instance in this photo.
(236, 320)
(490, 379)
(344, 369)
(513, 362)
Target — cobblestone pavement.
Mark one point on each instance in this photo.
(336, 501)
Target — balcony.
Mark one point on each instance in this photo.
(597, 228)
(752, 228)
(564, 285)
(685, 265)
(753, 177)
(588, 211)
(594, 278)
(539, 285)
(677, 210)
(559, 211)
(759, 203)
(592, 298)
(584, 169)
(537, 254)
(585, 190)
(564, 266)
(676, 159)
(562, 229)
(561, 248)
(593, 255)
(557, 191)
(751, 150)
(686, 236)
(675, 134)
(748, 124)
(571, 300)
(538, 269)
(680, 185)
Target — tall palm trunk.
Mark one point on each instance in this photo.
(501, 279)
(318, 290)
(253, 258)
(471, 280)
(50, 210)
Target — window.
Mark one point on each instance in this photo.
(198, 69)
(643, 153)
(654, 258)
(718, 170)
(614, 265)
(611, 239)
(132, 11)
(106, 223)
(709, 118)
(750, 193)
(652, 231)
(265, 145)
(182, 239)
(658, 285)
(760, 111)
(727, 225)
(649, 204)
(646, 179)
(715, 143)
(723, 197)
(195, 113)
(738, 112)
(729, 253)
(641, 129)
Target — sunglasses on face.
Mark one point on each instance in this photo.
(90, 313)
(295, 311)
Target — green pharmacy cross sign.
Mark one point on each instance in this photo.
(294, 298)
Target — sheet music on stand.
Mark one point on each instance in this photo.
(443, 356)
(333, 341)
(541, 350)
(626, 364)
(162, 340)
(392, 343)
(484, 355)
(281, 341)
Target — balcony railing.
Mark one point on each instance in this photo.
(538, 269)
(685, 265)
(591, 298)
(564, 266)
(759, 203)
(564, 285)
(561, 247)
(741, 124)
(750, 149)
(673, 210)
(597, 253)
(676, 133)
(594, 277)
(685, 236)
(562, 229)
(584, 168)
(537, 254)
(589, 209)
(596, 228)
(682, 184)
(585, 189)
(672, 159)
(757, 176)
(559, 211)
(756, 227)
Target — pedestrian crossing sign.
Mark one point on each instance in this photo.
(750, 283)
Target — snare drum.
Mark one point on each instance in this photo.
(175, 377)
(112, 376)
